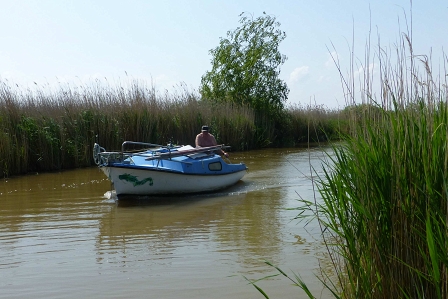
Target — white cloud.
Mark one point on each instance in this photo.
(323, 79)
(298, 73)
(332, 57)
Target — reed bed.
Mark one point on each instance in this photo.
(385, 191)
(316, 123)
(52, 128)
(384, 208)
(45, 129)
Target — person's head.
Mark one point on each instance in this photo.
(205, 129)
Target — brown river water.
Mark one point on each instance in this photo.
(64, 235)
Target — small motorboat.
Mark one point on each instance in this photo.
(163, 170)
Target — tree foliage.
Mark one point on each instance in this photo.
(246, 66)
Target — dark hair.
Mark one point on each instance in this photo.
(204, 128)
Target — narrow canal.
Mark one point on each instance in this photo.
(64, 235)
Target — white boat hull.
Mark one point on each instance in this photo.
(131, 181)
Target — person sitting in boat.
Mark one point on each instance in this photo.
(205, 139)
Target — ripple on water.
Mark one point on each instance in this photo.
(66, 235)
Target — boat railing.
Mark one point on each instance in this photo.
(102, 157)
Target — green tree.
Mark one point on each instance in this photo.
(246, 66)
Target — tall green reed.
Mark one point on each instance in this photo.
(385, 196)
(46, 129)
(54, 127)
(384, 208)
(315, 123)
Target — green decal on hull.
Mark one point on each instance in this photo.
(133, 179)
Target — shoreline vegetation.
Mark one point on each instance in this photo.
(384, 209)
(384, 212)
(45, 129)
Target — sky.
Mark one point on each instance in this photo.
(166, 43)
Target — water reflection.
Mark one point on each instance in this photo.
(237, 222)
(59, 232)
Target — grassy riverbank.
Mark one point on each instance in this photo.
(385, 193)
(47, 129)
